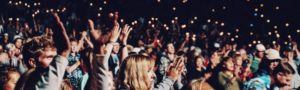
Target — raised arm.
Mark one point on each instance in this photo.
(100, 77)
(61, 38)
(124, 37)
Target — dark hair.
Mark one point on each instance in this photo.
(284, 67)
(223, 61)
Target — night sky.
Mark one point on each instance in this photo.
(248, 16)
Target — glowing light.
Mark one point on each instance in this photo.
(236, 36)
(195, 18)
(176, 18)
(298, 31)
(277, 7)
(268, 21)
(216, 22)
(261, 15)
(10, 19)
(208, 20)
(251, 25)
(237, 30)
(256, 9)
(277, 35)
(184, 1)
(274, 42)
(228, 34)
(100, 8)
(224, 7)
(254, 42)
(275, 27)
(173, 21)
(213, 10)
(251, 33)
(221, 33)
(122, 20)
(287, 24)
(258, 42)
(158, 1)
(174, 8)
(232, 39)
(285, 42)
(187, 34)
(250, 45)
(222, 24)
(183, 26)
(192, 22)
(104, 2)
(99, 14)
(289, 36)
(276, 31)
(269, 33)
(261, 5)
(17, 19)
(91, 4)
(149, 22)
(10, 2)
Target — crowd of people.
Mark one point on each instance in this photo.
(117, 57)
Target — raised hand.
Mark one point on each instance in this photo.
(61, 38)
(175, 69)
(125, 33)
(116, 28)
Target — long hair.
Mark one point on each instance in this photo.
(134, 72)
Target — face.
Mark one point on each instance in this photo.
(18, 43)
(170, 48)
(229, 65)
(243, 54)
(273, 64)
(199, 62)
(46, 58)
(11, 83)
(238, 61)
(116, 48)
(260, 54)
(289, 54)
(215, 58)
(74, 46)
(284, 78)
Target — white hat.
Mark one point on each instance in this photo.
(260, 47)
(272, 54)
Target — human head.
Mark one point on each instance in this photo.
(260, 48)
(199, 61)
(11, 78)
(74, 45)
(18, 43)
(227, 64)
(283, 74)
(43, 53)
(200, 84)
(272, 58)
(116, 48)
(170, 49)
(136, 72)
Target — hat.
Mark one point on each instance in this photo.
(260, 47)
(272, 54)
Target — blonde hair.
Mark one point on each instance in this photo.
(134, 72)
(200, 84)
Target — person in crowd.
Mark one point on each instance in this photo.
(74, 73)
(269, 63)
(11, 78)
(200, 84)
(51, 62)
(198, 69)
(279, 79)
(257, 58)
(227, 78)
(289, 57)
